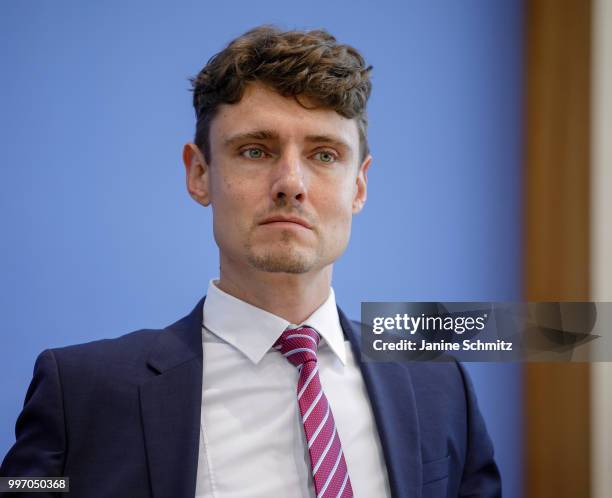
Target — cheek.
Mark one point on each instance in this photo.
(338, 211)
(228, 212)
(232, 195)
(341, 201)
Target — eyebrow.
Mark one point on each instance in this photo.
(328, 139)
(251, 135)
(272, 135)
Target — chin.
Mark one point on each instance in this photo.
(282, 262)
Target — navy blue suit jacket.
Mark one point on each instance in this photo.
(121, 418)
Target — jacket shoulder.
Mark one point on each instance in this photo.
(119, 348)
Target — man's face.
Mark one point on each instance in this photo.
(283, 182)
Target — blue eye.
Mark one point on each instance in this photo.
(252, 153)
(325, 157)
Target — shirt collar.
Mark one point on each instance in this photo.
(253, 331)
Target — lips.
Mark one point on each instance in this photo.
(287, 219)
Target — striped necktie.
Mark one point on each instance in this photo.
(329, 470)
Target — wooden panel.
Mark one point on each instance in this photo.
(557, 430)
(557, 146)
(557, 236)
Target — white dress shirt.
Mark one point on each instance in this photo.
(252, 441)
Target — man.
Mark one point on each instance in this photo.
(260, 391)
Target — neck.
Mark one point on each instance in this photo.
(293, 297)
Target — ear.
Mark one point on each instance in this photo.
(197, 174)
(361, 191)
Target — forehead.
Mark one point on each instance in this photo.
(261, 107)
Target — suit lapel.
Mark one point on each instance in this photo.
(170, 406)
(391, 395)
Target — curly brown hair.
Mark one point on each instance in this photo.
(295, 63)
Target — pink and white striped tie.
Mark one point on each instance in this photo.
(329, 470)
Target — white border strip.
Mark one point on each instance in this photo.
(601, 238)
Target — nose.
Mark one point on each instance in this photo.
(288, 185)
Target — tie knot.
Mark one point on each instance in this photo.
(299, 345)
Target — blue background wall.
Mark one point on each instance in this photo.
(99, 236)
